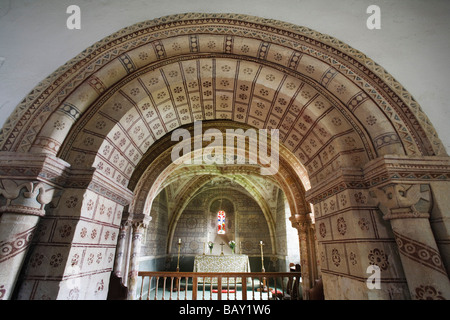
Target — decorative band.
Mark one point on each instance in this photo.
(19, 209)
(420, 253)
(21, 241)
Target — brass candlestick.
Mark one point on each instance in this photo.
(177, 281)
(262, 256)
(262, 287)
(178, 262)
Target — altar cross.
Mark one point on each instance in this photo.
(222, 244)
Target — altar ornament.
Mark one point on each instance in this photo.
(232, 245)
(211, 246)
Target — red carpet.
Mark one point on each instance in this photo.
(224, 291)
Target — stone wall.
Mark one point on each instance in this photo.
(246, 225)
(287, 237)
(153, 251)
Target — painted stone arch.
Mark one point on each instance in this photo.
(309, 63)
(339, 113)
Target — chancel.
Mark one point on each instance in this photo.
(93, 206)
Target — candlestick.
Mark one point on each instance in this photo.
(177, 285)
(262, 256)
(263, 287)
(179, 248)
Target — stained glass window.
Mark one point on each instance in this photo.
(221, 222)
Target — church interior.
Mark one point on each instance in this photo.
(92, 200)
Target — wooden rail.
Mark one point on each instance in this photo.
(218, 286)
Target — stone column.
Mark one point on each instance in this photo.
(407, 207)
(139, 225)
(314, 250)
(302, 223)
(121, 247)
(30, 181)
(22, 207)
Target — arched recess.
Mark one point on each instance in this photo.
(158, 166)
(195, 186)
(103, 111)
(157, 170)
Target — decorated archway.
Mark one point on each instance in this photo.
(354, 139)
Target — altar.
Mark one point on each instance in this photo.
(223, 264)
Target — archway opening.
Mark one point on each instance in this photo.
(261, 210)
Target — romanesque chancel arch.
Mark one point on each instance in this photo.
(376, 172)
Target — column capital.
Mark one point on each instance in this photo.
(301, 222)
(399, 200)
(25, 197)
(29, 181)
(140, 221)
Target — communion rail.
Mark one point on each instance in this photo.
(161, 285)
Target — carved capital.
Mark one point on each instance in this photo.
(26, 197)
(29, 181)
(403, 200)
(301, 222)
(140, 221)
(124, 227)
